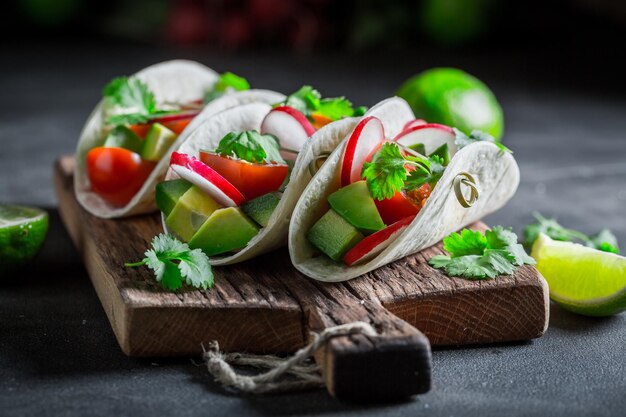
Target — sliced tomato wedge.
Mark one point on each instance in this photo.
(252, 180)
(116, 174)
(375, 243)
(396, 208)
(174, 122)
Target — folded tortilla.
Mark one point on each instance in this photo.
(497, 178)
(249, 117)
(177, 81)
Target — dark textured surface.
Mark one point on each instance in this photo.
(58, 355)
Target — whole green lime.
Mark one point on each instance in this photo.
(22, 232)
(455, 98)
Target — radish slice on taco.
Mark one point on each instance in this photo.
(125, 146)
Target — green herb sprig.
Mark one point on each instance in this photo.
(308, 100)
(227, 82)
(605, 240)
(250, 146)
(386, 173)
(174, 263)
(462, 140)
(134, 95)
(478, 256)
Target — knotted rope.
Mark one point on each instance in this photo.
(301, 375)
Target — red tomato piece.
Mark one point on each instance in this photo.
(116, 174)
(396, 208)
(252, 180)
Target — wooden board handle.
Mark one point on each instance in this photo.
(394, 365)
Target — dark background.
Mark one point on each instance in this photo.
(554, 65)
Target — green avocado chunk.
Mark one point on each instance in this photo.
(225, 230)
(333, 235)
(168, 193)
(123, 137)
(443, 153)
(355, 204)
(260, 209)
(190, 212)
(158, 140)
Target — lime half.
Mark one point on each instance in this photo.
(582, 279)
(22, 232)
(455, 98)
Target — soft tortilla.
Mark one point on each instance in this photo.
(172, 81)
(497, 177)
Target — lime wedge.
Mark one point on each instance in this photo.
(582, 279)
(22, 232)
(455, 98)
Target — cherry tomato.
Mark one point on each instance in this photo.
(174, 122)
(116, 174)
(252, 180)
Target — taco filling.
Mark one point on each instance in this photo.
(226, 195)
(139, 132)
(383, 185)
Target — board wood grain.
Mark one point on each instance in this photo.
(266, 306)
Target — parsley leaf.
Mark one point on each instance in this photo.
(134, 96)
(604, 240)
(419, 177)
(462, 140)
(226, 82)
(385, 174)
(308, 100)
(474, 255)
(173, 263)
(250, 146)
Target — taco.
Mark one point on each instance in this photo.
(233, 184)
(124, 148)
(384, 194)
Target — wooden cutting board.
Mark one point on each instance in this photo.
(266, 306)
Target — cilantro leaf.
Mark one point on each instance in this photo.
(250, 146)
(604, 240)
(432, 175)
(308, 100)
(385, 174)
(468, 242)
(173, 261)
(130, 93)
(474, 255)
(227, 82)
(462, 140)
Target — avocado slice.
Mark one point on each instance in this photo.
(443, 153)
(190, 212)
(225, 230)
(333, 235)
(123, 137)
(158, 140)
(260, 209)
(419, 148)
(355, 204)
(169, 192)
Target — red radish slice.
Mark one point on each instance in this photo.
(207, 179)
(432, 135)
(290, 127)
(367, 136)
(413, 123)
(374, 244)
